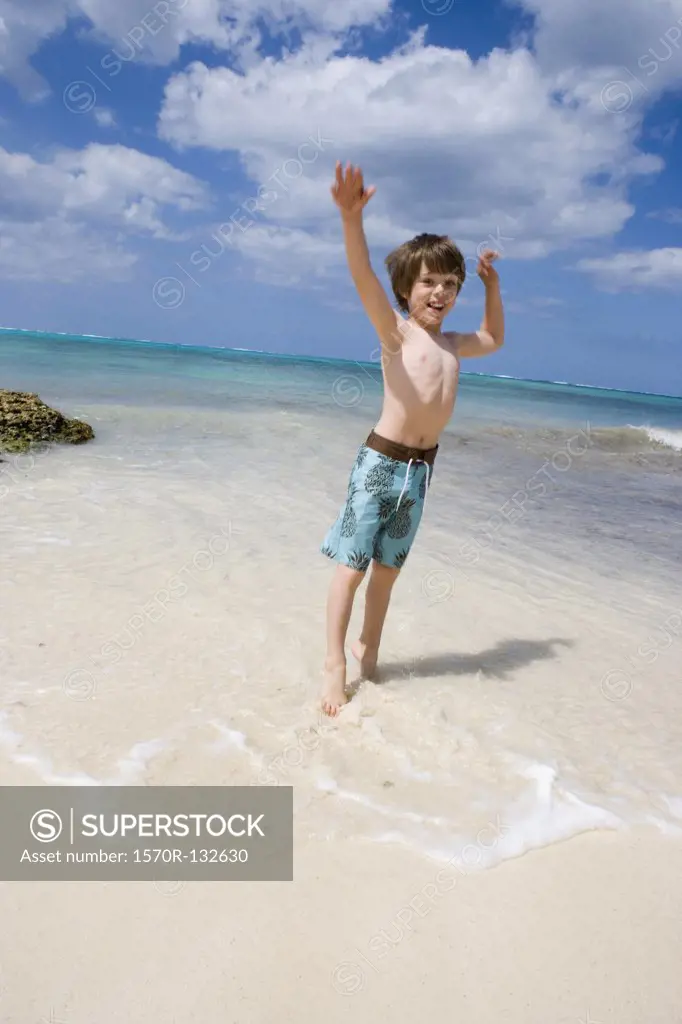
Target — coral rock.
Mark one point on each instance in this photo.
(25, 421)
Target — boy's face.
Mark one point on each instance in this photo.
(432, 297)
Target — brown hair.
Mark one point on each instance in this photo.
(404, 264)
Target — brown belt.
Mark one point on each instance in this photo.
(400, 452)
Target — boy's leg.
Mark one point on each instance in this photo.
(344, 585)
(377, 598)
(392, 547)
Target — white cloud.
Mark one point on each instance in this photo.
(287, 256)
(635, 42)
(318, 14)
(535, 149)
(481, 150)
(105, 118)
(56, 249)
(154, 30)
(665, 132)
(70, 216)
(673, 215)
(636, 39)
(111, 183)
(22, 27)
(627, 271)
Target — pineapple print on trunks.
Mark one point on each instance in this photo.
(422, 486)
(362, 455)
(349, 524)
(401, 522)
(359, 561)
(387, 507)
(379, 480)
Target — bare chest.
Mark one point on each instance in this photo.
(430, 367)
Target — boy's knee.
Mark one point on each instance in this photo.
(351, 577)
(388, 573)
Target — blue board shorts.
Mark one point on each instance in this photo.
(384, 505)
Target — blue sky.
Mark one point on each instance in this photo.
(165, 171)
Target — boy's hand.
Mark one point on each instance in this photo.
(349, 192)
(486, 270)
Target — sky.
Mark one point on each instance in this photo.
(165, 171)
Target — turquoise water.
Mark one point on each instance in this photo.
(619, 502)
(146, 373)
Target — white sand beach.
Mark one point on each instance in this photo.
(513, 703)
(587, 931)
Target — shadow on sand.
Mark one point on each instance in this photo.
(497, 663)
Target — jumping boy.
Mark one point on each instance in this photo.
(393, 469)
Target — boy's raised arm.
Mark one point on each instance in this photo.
(351, 197)
(489, 337)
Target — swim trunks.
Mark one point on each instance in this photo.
(384, 505)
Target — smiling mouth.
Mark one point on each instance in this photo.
(438, 306)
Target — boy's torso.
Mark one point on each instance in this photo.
(421, 375)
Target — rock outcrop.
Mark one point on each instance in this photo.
(25, 421)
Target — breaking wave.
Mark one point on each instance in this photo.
(628, 440)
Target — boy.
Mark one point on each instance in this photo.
(393, 469)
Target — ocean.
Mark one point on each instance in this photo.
(163, 616)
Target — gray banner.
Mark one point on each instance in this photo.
(146, 833)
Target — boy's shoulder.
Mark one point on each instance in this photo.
(454, 340)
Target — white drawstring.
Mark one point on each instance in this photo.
(407, 475)
(404, 484)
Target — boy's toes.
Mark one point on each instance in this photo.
(332, 707)
(334, 690)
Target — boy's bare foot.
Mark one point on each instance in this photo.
(334, 689)
(367, 659)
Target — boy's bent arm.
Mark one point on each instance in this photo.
(370, 289)
(490, 336)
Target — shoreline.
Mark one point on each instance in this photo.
(332, 361)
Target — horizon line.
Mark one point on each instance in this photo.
(145, 342)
